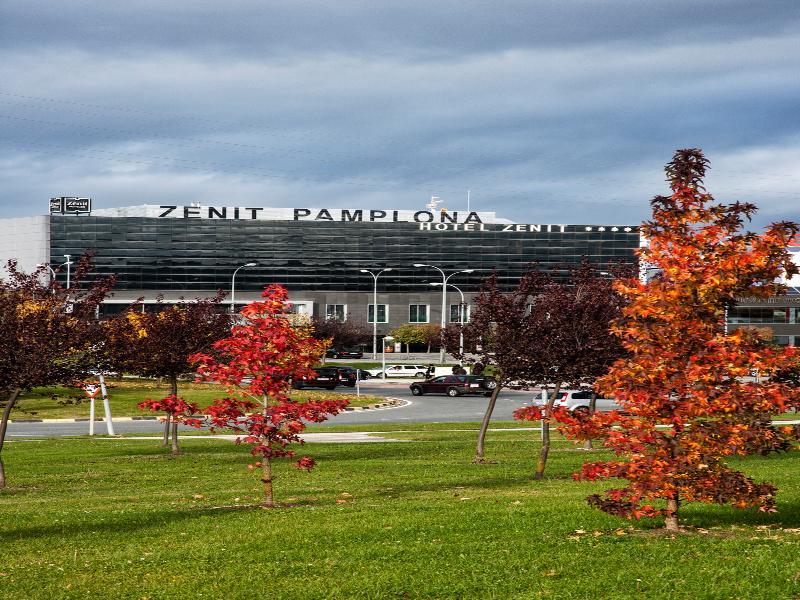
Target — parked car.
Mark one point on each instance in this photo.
(343, 353)
(326, 377)
(578, 401)
(349, 375)
(400, 371)
(455, 385)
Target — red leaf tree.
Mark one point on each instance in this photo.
(258, 362)
(159, 344)
(47, 333)
(684, 387)
(178, 411)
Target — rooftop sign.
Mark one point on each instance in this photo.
(70, 205)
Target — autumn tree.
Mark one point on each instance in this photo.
(688, 402)
(257, 362)
(340, 334)
(503, 332)
(158, 344)
(576, 345)
(414, 334)
(46, 333)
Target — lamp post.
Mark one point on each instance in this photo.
(233, 284)
(52, 275)
(461, 311)
(68, 263)
(390, 339)
(375, 308)
(445, 278)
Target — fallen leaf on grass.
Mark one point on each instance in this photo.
(340, 501)
(198, 497)
(465, 498)
(346, 495)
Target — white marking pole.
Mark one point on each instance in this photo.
(358, 383)
(91, 415)
(106, 405)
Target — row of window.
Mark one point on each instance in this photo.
(417, 313)
(752, 314)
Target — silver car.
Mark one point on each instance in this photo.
(400, 371)
(578, 401)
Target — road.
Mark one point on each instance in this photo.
(415, 409)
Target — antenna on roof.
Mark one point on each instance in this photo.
(434, 201)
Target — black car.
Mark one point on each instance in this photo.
(343, 353)
(348, 375)
(455, 385)
(326, 377)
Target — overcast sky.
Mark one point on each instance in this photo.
(557, 111)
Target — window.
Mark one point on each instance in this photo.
(417, 313)
(454, 316)
(336, 312)
(383, 313)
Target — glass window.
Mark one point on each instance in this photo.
(454, 316)
(417, 313)
(383, 313)
(336, 312)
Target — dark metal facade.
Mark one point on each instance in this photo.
(194, 254)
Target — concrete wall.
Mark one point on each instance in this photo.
(27, 240)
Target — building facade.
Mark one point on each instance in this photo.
(317, 253)
(321, 254)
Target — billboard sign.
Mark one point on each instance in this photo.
(77, 205)
(70, 205)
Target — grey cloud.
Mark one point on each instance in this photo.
(546, 111)
(418, 27)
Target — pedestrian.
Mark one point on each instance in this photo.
(459, 370)
(430, 371)
(477, 368)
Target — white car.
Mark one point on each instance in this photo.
(578, 401)
(400, 371)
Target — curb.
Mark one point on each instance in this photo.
(391, 402)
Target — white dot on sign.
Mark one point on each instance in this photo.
(615, 229)
(601, 229)
(588, 229)
(628, 229)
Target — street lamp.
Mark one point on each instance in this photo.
(52, 275)
(445, 278)
(233, 284)
(68, 263)
(375, 308)
(390, 339)
(461, 310)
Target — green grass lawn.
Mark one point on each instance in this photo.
(124, 395)
(117, 518)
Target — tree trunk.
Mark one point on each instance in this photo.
(11, 400)
(587, 445)
(671, 522)
(545, 450)
(165, 437)
(173, 391)
(175, 450)
(266, 479)
(485, 425)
